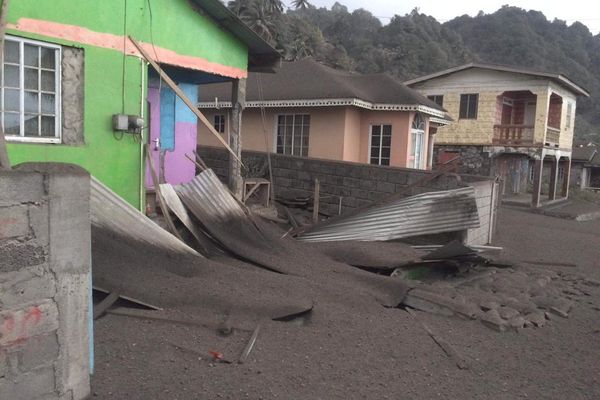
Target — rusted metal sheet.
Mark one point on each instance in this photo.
(109, 211)
(209, 200)
(424, 214)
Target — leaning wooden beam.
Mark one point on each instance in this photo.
(450, 351)
(105, 304)
(182, 96)
(137, 302)
(4, 161)
(249, 346)
(316, 201)
(290, 217)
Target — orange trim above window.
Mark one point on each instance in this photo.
(85, 36)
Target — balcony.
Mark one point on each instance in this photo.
(552, 135)
(513, 135)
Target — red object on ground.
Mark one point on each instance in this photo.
(216, 355)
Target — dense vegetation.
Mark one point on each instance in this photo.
(417, 44)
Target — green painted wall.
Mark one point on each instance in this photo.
(113, 158)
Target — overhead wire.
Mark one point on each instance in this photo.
(265, 134)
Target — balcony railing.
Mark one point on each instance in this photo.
(552, 135)
(513, 135)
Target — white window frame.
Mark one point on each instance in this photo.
(433, 97)
(417, 136)
(468, 109)
(294, 115)
(221, 122)
(57, 93)
(380, 143)
(569, 115)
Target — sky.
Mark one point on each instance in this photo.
(584, 11)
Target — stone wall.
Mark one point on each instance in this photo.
(355, 184)
(473, 159)
(72, 96)
(44, 283)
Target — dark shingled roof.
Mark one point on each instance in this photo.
(584, 154)
(309, 80)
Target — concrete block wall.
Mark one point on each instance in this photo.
(44, 283)
(356, 184)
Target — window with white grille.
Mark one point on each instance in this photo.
(30, 100)
(380, 144)
(292, 134)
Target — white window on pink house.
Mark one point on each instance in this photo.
(417, 152)
(380, 144)
(292, 134)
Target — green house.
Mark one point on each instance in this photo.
(71, 73)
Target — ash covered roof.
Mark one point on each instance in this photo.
(308, 79)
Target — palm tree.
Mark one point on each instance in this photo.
(303, 4)
(258, 17)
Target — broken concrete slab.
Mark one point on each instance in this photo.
(492, 319)
(537, 318)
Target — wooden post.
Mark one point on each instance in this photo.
(316, 201)
(553, 179)
(566, 178)
(538, 169)
(4, 161)
(238, 102)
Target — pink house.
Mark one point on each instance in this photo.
(308, 109)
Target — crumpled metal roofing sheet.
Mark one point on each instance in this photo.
(208, 199)
(109, 211)
(427, 213)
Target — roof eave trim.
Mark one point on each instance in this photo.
(329, 103)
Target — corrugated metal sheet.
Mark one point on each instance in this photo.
(427, 213)
(109, 211)
(176, 206)
(208, 199)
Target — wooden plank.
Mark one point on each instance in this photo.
(290, 217)
(200, 160)
(251, 191)
(105, 304)
(249, 346)
(152, 316)
(549, 263)
(450, 351)
(200, 166)
(316, 201)
(161, 200)
(4, 160)
(130, 299)
(182, 96)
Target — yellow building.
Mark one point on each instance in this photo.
(510, 122)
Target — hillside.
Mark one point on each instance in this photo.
(417, 44)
